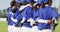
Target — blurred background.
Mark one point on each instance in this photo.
(4, 4)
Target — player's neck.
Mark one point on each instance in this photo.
(30, 5)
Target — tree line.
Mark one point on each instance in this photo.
(4, 13)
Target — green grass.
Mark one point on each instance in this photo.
(3, 27)
(58, 27)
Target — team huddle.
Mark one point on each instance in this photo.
(32, 16)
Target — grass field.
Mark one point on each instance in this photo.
(3, 27)
(58, 27)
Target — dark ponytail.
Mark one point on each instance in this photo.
(12, 3)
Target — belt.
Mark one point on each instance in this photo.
(12, 24)
(28, 26)
(19, 25)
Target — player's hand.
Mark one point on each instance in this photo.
(36, 22)
(49, 21)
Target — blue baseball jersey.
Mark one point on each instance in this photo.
(20, 16)
(45, 16)
(52, 12)
(10, 22)
(17, 12)
(12, 15)
(46, 13)
(35, 14)
(16, 15)
(28, 14)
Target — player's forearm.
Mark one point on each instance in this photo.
(23, 7)
(43, 21)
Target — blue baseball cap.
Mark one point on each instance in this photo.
(40, 1)
(46, 1)
(17, 1)
(29, 1)
(23, 1)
